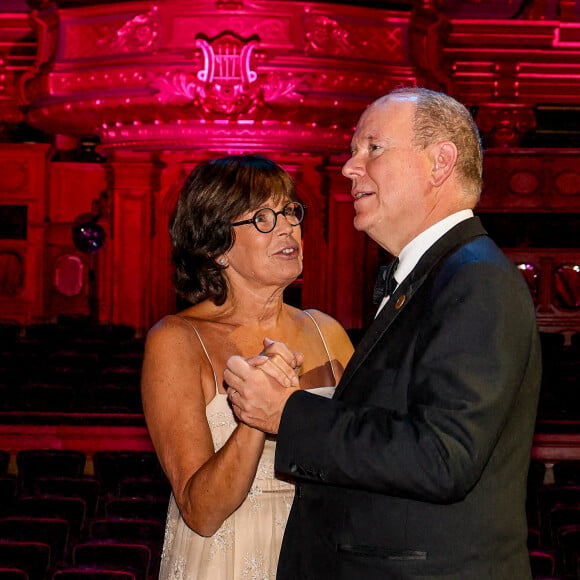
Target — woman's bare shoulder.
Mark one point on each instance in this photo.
(173, 349)
(168, 325)
(174, 328)
(179, 322)
(324, 320)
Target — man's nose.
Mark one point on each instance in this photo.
(352, 168)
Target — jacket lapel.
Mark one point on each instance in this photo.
(457, 236)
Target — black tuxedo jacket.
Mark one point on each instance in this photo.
(417, 467)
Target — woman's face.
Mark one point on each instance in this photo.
(263, 260)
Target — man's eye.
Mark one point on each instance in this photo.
(374, 147)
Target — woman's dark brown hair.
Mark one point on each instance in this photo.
(216, 193)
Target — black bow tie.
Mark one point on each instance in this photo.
(386, 283)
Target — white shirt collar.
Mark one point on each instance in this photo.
(414, 250)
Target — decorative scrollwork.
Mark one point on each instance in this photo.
(327, 35)
(227, 84)
(505, 124)
(137, 35)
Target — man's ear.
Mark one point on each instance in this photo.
(444, 160)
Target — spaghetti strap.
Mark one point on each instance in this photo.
(247, 544)
(205, 351)
(324, 343)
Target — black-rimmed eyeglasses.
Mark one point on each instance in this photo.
(265, 219)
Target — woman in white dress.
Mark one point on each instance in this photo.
(236, 238)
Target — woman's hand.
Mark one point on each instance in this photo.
(256, 397)
(278, 361)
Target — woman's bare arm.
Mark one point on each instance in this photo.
(208, 486)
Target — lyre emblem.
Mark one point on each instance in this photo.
(226, 78)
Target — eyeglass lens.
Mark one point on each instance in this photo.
(266, 218)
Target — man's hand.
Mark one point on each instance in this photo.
(278, 361)
(257, 399)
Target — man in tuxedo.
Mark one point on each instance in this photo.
(416, 468)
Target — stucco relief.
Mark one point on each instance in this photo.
(272, 31)
(505, 124)
(327, 36)
(219, 136)
(14, 176)
(134, 34)
(227, 81)
(567, 183)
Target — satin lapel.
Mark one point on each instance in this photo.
(378, 327)
(459, 235)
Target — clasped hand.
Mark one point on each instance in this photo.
(258, 387)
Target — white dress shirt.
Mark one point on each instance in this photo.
(414, 250)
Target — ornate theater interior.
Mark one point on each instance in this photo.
(106, 106)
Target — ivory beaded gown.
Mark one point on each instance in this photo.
(247, 545)
(248, 542)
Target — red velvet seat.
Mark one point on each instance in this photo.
(51, 531)
(543, 563)
(7, 391)
(90, 345)
(91, 574)
(108, 555)
(121, 376)
(4, 461)
(112, 467)
(146, 532)
(115, 333)
(87, 488)
(66, 376)
(145, 487)
(115, 398)
(534, 541)
(16, 369)
(548, 498)
(8, 491)
(48, 332)
(567, 472)
(73, 359)
(71, 509)
(535, 481)
(51, 397)
(137, 508)
(568, 542)
(13, 574)
(129, 359)
(33, 464)
(32, 557)
(135, 531)
(561, 516)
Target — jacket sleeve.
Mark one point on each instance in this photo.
(468, 366)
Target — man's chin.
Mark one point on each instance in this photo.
(359, 223)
